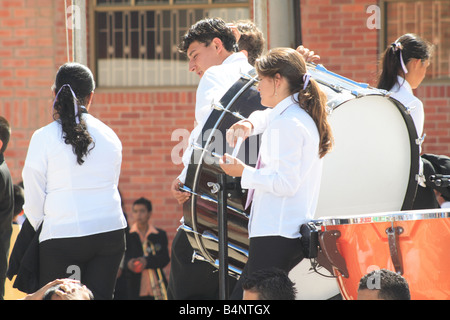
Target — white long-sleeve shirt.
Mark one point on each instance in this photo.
(73, 200)
(287, 185)
(214, 83)
(403, 92)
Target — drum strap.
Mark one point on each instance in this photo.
(394, 248)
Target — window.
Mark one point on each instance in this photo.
(430, 20)
(136, 40)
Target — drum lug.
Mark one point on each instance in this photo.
(215, 187)
(218, 106)
(394, 247)
(420, 141)
(327, 240)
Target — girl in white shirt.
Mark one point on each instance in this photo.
(403, 67)
(295, 137)
(71, 174)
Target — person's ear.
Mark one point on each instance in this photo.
(1, 144)
(218, 44)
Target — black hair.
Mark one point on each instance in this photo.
(81, 80)
(392, 286)
(412, 47)
(5, 133)
(270, 284)
(145, 202)
(204, 31)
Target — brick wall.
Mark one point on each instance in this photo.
(32, 46)
(337, 30)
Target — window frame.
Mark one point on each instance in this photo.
(383, 35)
(92, 51)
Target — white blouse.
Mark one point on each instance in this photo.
(287, 185)
(73, 200)
(404, 93)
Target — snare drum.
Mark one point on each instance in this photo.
(415, 244)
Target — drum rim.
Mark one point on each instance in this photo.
(193, 203)
(412, 215)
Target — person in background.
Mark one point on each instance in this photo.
(403, 68)
(269, 284)
(6, 204)
(61, 289)
(146, 255)
(383, 285)
(19, 200)
(250, 39)
(71, 177)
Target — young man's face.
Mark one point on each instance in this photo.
(202, 57)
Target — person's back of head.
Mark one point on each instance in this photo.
(398, 54)
(5, 134)
(383, 285)
(73, 87)
(251, 40)
(270, 284)
(204, 31)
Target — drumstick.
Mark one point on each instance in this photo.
(237, 147)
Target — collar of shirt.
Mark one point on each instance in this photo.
(235, 57)
(402, 83)
(282, 106)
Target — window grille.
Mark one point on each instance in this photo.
(136, 40)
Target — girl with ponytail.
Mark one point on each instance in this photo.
(284, 185)
(403, 68)
(71, 175)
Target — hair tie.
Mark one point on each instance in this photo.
(397, 46)
(75, 103)
(306, 78)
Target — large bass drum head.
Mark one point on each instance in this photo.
(370, 167)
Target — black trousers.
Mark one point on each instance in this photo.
(94, 260)
(189, 280)
(269, 252)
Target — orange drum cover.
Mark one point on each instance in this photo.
(424, 248)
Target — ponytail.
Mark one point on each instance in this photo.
(74, 84)
(314, 102)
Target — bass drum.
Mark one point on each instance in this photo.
(371, 169)
(200, 212)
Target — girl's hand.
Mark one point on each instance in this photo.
(241, 129)
(231, 165)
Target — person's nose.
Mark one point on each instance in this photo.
(191, 66)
